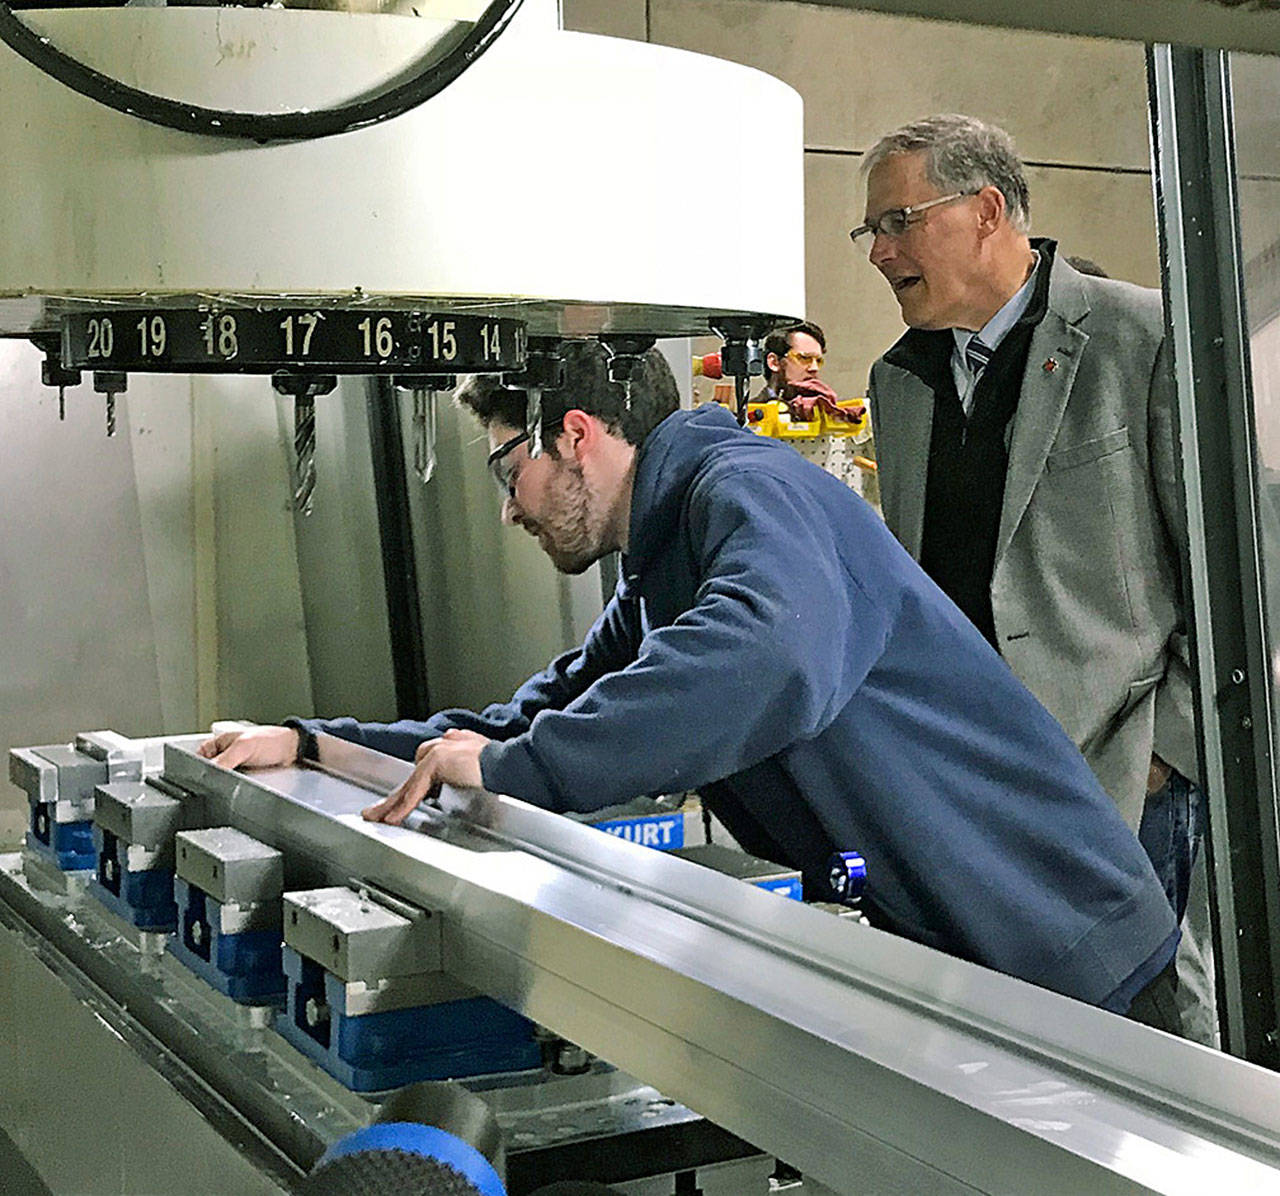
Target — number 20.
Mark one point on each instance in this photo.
(101, 338)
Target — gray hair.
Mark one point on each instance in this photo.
(962, 153)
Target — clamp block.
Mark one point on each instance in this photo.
(368, 1002)
(227, 890)
(59, 782)
(133, 832)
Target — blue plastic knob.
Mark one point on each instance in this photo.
(848, 874)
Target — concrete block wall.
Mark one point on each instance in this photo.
(1076, 107)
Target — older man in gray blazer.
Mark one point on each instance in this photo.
(1028, 459)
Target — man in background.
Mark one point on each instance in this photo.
(793, 359)
(1028, 459)
(793, 356)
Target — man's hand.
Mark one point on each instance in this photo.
(453, 759)
(254, 747)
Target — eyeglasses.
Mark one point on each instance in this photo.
(807, 359)
(897, 221)
(506, 472)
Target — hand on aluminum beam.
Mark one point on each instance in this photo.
(453, 759)
(253, 747)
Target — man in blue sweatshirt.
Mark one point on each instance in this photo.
(774, 647)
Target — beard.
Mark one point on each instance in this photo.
(571, 530)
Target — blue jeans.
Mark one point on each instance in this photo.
(1173, 822)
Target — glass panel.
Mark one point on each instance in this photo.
(1256, 97)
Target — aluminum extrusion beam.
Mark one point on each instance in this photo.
(868, 1062)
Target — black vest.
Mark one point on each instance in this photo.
(969, 458)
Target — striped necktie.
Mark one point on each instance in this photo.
(976, 356)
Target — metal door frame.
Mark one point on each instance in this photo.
(1193, 143)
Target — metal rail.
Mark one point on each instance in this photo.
(1198, 209)
(868, 1062)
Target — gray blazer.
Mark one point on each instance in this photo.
(1088, 585)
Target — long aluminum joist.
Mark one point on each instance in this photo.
(870, 1063)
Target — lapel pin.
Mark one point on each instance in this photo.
(1051, 364)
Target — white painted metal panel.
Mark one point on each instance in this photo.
(555, 169)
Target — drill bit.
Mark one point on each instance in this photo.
(304, 452)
